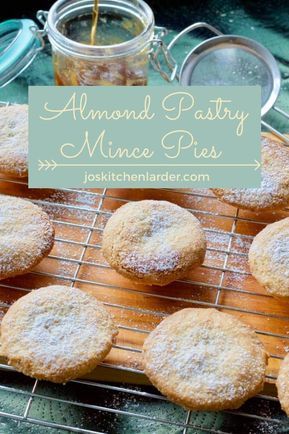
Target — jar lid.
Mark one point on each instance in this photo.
(19, 44)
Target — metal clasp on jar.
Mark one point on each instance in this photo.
(42, 18)
(158, 47)
(40, 33)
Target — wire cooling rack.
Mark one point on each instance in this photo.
(117, 398)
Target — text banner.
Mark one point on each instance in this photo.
(173, 137)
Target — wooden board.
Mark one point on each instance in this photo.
(223, 281)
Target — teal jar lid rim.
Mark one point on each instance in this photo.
(22, 44)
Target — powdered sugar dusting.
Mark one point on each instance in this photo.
(274, 189)
(202, 356)
(14, 140)
(26, 235)
(215, 358)
(269, 187)
(164, 259)
(56, 328)
(279, 252)
(154, 252)
(159, 222)
(153, 242)
(53, 335)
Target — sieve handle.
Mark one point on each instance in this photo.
(191, 28)
(42, 17)
(165, 50)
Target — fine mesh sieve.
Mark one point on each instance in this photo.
(232, 60)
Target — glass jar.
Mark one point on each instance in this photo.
(121, 57)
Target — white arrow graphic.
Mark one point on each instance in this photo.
(45, 165)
